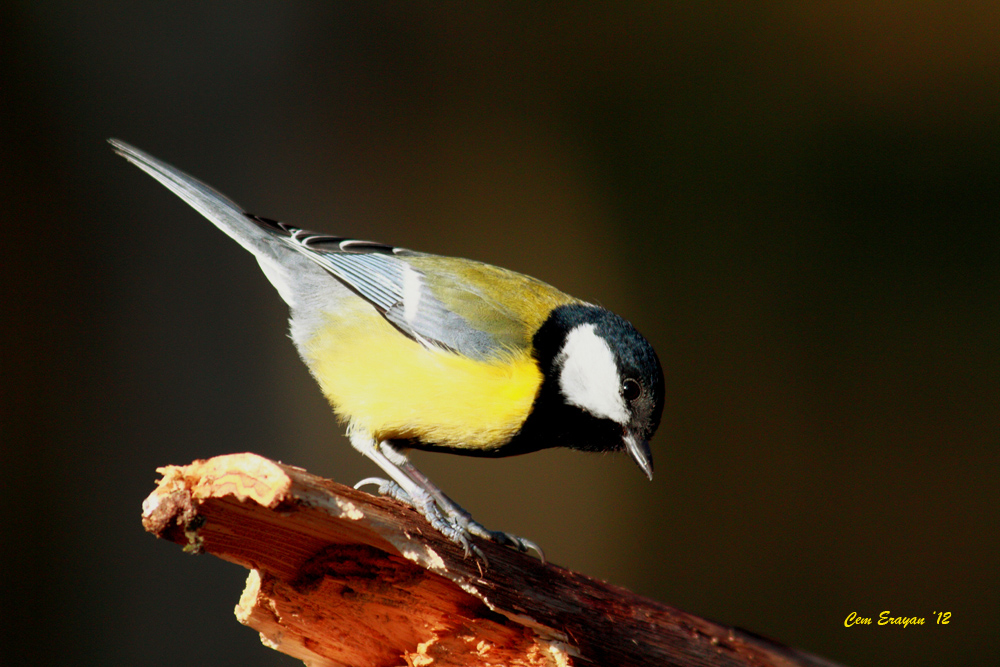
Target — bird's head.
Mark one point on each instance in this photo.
(608, 379)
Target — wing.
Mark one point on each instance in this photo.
(475, 309)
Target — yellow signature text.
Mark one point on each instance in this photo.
(854, 619)
(886, 618)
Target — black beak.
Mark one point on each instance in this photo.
(638, 449)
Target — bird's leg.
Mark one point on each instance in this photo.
(412, 487)
(460, 517)
(405, 489)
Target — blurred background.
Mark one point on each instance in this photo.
(797, 203)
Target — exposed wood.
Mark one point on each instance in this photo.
(340, 577)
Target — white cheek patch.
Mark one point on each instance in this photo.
(589, 376)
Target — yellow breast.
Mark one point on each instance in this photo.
(380, 380)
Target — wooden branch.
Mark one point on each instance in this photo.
(340, 577)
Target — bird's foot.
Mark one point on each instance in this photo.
(472, 527)
(451, 520)
(425, 505)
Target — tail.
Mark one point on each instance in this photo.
(282, 265)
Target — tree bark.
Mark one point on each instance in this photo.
(340, 577)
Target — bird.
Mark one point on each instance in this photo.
(443, 354)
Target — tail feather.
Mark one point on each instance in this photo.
(285, 268)
(223, 212)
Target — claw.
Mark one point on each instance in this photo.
(386, 487)
(480, 555)
(524, 546)
(377, 481)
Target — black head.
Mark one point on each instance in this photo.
(603, 387)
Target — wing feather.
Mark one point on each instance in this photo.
(450, 303)
(379, 274)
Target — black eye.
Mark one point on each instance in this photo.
(631, 389)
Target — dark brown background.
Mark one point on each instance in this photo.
(798, 203)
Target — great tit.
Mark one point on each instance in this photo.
(421, 351)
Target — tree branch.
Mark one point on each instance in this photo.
(340, 577)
